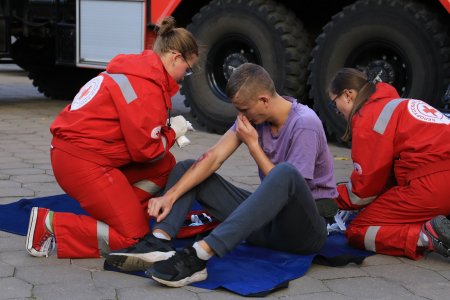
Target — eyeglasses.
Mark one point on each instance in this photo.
(332, 103)
(189, 70)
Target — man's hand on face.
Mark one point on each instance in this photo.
(245, 131)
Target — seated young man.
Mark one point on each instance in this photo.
(287, 141)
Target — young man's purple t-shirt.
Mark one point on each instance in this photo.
(302, 143)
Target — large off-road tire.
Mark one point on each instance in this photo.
(26, 54)
(57, 82)
(60, 82)
(405, 39)
(234, 32)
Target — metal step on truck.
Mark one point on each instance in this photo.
(63, 43)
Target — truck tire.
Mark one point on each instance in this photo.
(234, 32)
(404, 39)
(25, 55)
(57, 82)
(60, 82)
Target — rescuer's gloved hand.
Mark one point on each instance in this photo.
(183, 140)
(179, 125)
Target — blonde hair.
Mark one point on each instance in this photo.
(352, 79)
(171, 38)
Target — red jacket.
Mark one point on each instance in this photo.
(121, 114)
(392, 139)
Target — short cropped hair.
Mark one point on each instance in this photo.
(249, 79)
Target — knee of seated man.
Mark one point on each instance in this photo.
(287, 170)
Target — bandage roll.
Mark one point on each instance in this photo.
(183, 141)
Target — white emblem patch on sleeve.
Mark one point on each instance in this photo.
(426, 113)
(86, 93)
(156, 132)
(357, 167)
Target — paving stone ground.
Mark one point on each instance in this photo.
(25, 172)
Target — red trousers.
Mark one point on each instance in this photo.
(115, 198)
(391, 224)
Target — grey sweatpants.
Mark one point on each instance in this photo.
(281, 214)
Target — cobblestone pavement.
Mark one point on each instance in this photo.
(25, 172)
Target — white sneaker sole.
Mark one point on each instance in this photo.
(138, 261)
(199, 276)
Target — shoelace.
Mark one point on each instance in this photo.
(48, 245)
(443, 249)
(45, 238)
(140, 242)
(181, 258)
(156, 244)
(437, 244)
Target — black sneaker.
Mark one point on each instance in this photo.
(438, 231)
(181, 269)
(141, 256)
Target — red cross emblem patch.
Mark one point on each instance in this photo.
(424, 112)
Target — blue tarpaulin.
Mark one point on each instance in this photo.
(247, 270)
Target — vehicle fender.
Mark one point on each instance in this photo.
(162, 8)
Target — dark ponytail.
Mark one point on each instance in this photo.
(352, 79)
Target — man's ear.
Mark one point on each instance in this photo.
(264, 98)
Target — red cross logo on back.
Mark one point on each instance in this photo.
(431, 110)
(426, 113)
(85, 92)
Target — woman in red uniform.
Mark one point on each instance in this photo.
(110, 149)
(401, 159)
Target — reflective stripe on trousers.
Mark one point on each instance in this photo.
(370, 237)
(103, 238)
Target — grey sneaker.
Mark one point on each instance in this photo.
(141, 256)
(181, 269)
(438, 231)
